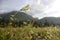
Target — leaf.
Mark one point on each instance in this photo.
(25, 8)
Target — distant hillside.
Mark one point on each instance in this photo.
(18, 16)
(21, 16)
(53, 20)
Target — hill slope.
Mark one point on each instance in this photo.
(19, 15)
(50, 20)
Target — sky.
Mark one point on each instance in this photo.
(38, 8)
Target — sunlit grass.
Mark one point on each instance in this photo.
(24, 33)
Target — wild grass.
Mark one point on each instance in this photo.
(25, 33)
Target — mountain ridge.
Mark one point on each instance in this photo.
(19, 15)
(54, 20)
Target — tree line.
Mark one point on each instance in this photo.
(18, 23)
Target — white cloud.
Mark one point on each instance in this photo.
(54, 10)
(39, 9)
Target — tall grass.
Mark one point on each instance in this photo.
(25, 33)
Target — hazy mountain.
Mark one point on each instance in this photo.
(23, 16)
(54, 20)
(18, 16)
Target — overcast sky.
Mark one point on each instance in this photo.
(39, 8)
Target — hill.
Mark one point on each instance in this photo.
(19, 16)
(54, 20)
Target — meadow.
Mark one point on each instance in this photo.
(29, 33)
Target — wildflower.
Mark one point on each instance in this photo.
(38, 36)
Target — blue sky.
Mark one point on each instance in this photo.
(39, 8)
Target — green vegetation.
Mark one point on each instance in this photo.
(17, 25)
(29, 33)
(27, 7)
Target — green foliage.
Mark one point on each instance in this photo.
(25, 8)
(29, 33)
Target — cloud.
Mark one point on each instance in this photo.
(55, 9)
(47, 2)
(43, 8)
(38, 7)
(11, 5)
